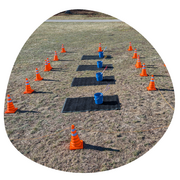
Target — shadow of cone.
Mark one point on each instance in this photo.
(10, 106)
(55, 57)
(75, 143)
(38, 76)
(130, 47)
(63, 49)
(28, 89)
(49, 65)
(151, 86)
(138, 63)
(135, 54)
(143, 73)
(99, 49)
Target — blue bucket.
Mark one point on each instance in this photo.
(99, 76)
(99, 64)
(98, 97)
(101, 54)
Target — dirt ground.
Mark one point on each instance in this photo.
(111, 138)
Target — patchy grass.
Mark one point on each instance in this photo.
(42, 133)
(137, 152)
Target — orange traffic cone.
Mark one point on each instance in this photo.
(55, 57)
(130, 47)
(38, 76)
(49, 65)
(46, 66)
(28, 89)
(143, 73)
(10, 106)
(135, 54)
(151, 86)
(75, 143)
(164, 65)
(63, 49)
(99, 49)
(138, 63)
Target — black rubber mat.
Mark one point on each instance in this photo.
(94, 67)
(91, 81)
(93, 57)
(88, 104)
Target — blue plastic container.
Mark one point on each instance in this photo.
(98, 97)
(99, 76)
(101, 54)
(99, 64)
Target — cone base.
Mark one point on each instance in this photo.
(47, 70)
(63, 51)
(28, 92)
(151, 89)
(130, 49)
(144, 75)
(12, 111)
(138, 66)
(72, 147)
(134, 57)
(50, 68)
(39, 79)
(55, 59)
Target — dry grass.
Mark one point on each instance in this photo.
(83, 14)
(112, 138)
(80, 17)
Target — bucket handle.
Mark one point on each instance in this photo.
(98, 97)
(103, 91)
(105, 69)
(105, 48)
(98, 76)
(104, 57)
